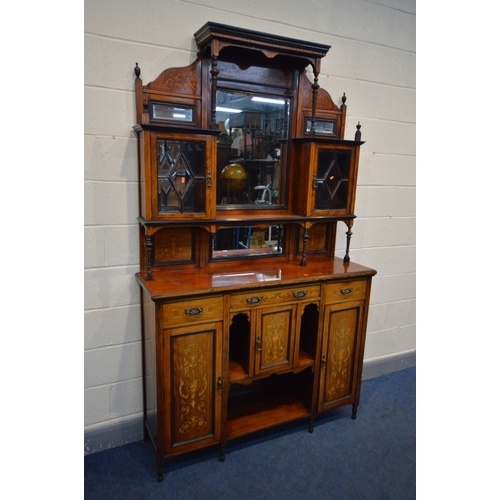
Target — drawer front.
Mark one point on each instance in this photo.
(192, 311)
(345, 290)
(271, 297)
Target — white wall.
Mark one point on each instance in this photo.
(372, 60)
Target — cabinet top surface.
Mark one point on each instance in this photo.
(172, 283)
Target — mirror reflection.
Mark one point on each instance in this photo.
(247, 241)
(252, 149)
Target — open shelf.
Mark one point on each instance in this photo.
(251, 416)
(304, 359)
(267, 402)
(236, 372)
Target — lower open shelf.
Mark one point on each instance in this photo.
(266, 403)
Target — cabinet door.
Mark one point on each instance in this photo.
(275, 336)
(333, 184)
(339, 356)
(193, 386)
(182, 183)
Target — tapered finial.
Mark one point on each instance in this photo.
(137, 70)
(357, 135)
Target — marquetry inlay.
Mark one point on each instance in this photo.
(193, 385)
(340, 360)
(275, 339)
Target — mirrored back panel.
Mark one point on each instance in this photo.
(252, 150)
(247, 241)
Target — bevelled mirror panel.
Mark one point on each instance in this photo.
(247, 241)
(252, 150)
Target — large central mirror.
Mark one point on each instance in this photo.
(252, 150)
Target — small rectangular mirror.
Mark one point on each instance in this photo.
(171, 112)
(247, 241)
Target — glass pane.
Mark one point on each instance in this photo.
(328, 127)
(247, 241)
(181, 176)
(332, 179)
(252, 150)
(170, 112)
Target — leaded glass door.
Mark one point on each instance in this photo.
(183, 176)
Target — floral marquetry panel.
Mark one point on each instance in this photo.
(193, 381)
(342, 326)
(274, 343)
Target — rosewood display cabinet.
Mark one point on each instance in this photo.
(248, 318)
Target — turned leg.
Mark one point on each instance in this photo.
(160, 474)
(354, 411)
(222, 454)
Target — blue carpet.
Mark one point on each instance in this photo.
(370, 458)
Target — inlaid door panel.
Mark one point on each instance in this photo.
(338, 358)
(193, 385)
(274, 345)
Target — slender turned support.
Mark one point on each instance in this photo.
(305, 237)
(348, 241)
(310, 428)
(354, 411)
(214, 72)
(315, 87)
(222, 454)
(149, 257)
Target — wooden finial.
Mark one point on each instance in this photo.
(137, 70)
(344, 99)
(357, 135)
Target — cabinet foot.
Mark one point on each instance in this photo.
(354, 411)
(222, 454)
(310, 428)
(160, 475)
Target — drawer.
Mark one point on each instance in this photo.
(345, 290)
(192, 311)
(271, 297)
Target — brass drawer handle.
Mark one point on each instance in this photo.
(346, 291)
(300, 294)
(254, 300)
(193, 311)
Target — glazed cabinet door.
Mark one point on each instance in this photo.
(181, 179)
(330, 178)
(193, 386)
(340, 354)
